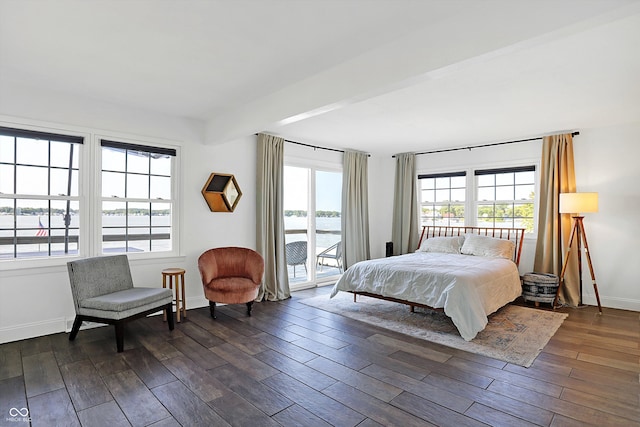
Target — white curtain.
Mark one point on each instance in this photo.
(270, 239)
(355, 208)
(405, 231)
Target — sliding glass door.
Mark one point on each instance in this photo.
(296, 223)
(328, 247)
(312, 210)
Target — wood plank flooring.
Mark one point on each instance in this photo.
(294, 365)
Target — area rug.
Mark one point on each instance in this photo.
(514, 334)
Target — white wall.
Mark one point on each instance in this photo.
(38, 301)
(606, 161)
(203, 229)
(517, 154)
(383, 173)
(381, 183)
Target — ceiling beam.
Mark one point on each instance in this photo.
(472, 33)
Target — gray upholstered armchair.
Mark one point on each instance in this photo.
(103, 292)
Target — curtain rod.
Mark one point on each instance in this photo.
(485, 145)
(316, 147)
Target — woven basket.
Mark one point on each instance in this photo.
(539, 287)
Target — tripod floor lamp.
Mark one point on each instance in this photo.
(577, 203)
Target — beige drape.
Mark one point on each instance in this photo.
(270, 218)
(557, 175)
(355, 208)
(405, 232)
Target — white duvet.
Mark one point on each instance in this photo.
(468, 287)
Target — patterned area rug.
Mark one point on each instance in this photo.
(514, 334)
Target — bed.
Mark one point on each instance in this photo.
(467, 272)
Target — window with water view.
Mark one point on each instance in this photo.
(136, 198)
(39, 200)
(41, 196)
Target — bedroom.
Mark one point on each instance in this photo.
(35, 301)
(604, 157)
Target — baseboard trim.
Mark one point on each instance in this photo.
(32, 330)
(197, 302)
(607, 302)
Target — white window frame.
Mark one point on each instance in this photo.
(471, 191)
(174, 201)
(442, 204)
(49, 134)
(495, 171)
(313, 166)
(89, 195)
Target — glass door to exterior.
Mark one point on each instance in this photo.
(312, 212)
(328, 247)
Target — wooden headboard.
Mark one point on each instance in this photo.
(514, 234)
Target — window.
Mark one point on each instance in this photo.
(39, 194)
(137, 201)
(502, 197)
(442, 198)
(505, 197)
(47, 208)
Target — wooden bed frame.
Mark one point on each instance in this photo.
(514, 234)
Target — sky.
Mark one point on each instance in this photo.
(296, 189)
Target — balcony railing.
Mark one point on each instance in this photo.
(41, 240)
(304, 231)
(72, 240)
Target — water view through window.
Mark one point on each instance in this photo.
(136, 198)
(40, 199)
(312, 218)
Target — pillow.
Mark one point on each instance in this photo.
(487, 246)
(446, 245)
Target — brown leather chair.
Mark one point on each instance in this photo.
(231, 275)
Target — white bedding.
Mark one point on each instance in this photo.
(468, 287)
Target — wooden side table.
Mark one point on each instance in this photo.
(178, 274)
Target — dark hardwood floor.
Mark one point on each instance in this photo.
(293, 365)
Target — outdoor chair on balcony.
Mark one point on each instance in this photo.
(103, 292)
(334, 253)
(296, 253)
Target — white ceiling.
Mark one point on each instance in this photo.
(382, 76)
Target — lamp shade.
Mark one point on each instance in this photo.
(578, 202)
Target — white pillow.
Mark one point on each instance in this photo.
(446, 245)
(487, 246)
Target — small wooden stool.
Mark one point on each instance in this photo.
(178, 273)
